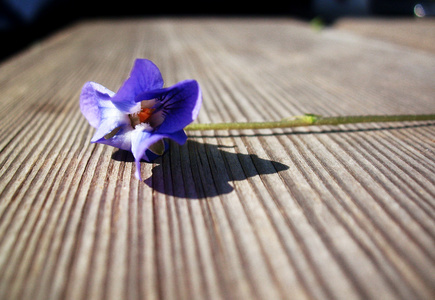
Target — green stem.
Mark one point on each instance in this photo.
(309, 120)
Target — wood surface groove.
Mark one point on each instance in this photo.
(322, 281)
(390, 191)
(400, 182)
(321, 212)
(317, 225)
(257, 238)
(350, 194)
(361, 223)
(377, 157)
(341, 217)
(233, 171)
(396, 221)
(381, 203)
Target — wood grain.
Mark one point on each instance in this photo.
(408, 32)
(332, 212)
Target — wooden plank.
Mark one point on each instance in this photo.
(321, 212)
(410, 32)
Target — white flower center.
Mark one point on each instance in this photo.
(147, 115)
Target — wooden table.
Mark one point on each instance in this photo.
(331, 212)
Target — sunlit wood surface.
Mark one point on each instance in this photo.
(332, 212)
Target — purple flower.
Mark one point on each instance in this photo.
(142, 113)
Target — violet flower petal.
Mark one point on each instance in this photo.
(150, 156)
(179, 136)
(180, 104)
(142, 140)
(119, 117)
(144, 76)
(92, 93)
(121, 138)
(114, 128)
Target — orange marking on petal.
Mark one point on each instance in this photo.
(145, 114)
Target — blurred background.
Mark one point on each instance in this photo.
(22, 22)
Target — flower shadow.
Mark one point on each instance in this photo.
(201, 170)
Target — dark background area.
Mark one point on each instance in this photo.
(22, 22)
